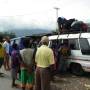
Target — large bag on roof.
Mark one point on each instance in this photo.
(78, 26)
(68, 23)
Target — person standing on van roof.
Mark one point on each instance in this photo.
(44, 60)
(6, 46)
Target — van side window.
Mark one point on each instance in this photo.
(55, 43)
(85, 47)
(73, 44)
(84, 44)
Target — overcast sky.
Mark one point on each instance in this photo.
(41, 12)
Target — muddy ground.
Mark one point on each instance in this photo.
(65, 81)
(69, 81)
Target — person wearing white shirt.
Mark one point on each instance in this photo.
(6, 46)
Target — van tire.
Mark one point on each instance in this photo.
(76, 69)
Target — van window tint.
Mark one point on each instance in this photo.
(73, 44)
(84, 44)
(55, 43)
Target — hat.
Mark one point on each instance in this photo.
(45, 39)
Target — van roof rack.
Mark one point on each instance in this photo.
(72, 32)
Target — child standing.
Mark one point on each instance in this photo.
(27, 66)
(15, 63)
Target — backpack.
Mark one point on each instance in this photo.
(65, 51)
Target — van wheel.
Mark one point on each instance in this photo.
(76, 69)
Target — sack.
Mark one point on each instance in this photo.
(79, 26)
(65, 51)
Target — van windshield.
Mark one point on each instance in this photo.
(85, 46)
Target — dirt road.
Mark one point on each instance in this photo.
(69, 81)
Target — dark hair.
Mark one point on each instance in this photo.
(26, 42)
(15, 46)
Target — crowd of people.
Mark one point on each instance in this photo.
(34, 67)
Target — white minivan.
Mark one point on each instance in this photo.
(79, 43)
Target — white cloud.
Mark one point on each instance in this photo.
(33, 7)
(21, 7)
(75, 8)
(26, 11)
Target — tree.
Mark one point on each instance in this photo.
(11, 34)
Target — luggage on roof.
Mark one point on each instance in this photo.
(71, 25)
